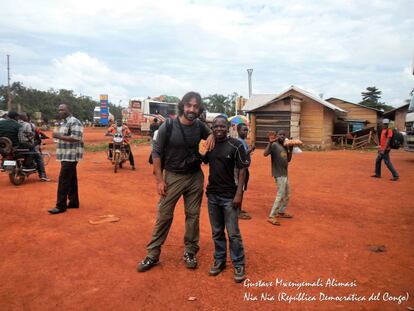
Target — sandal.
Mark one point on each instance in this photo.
(244, 215)
(284, 215)
(273, 221)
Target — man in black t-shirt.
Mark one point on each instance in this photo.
(224, 197)
(177, 146)
(281, 156)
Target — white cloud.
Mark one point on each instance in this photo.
(138, 48)
(89, 76)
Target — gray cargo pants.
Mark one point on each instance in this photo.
(190, 186)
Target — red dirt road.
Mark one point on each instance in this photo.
(61, 262)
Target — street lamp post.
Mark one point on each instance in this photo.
(249, 73)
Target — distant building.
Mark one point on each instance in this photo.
(300, 113)
(398, 116)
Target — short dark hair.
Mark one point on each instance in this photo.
(67, 105)
(13, 115)
(186, 99)
(240, 125)
(220, 116)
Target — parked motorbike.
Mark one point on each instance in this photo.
(119, 152)
(13, 158)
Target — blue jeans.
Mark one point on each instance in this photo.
(223, 215)
(386, 157)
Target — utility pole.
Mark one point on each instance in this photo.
(249, 73)
(9, 99)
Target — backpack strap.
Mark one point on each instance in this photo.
(169, 127)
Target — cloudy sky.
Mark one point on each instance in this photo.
(130, 48)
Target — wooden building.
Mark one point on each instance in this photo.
(357, 116)
(398, 116)
(301, 114)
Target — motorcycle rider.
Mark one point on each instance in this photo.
(27, 135)
(10, 128)
(118, 127)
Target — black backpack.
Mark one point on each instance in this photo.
(169, 127)
(397, 139)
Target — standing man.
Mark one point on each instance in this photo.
(384, 152)
(225, 197)
(69, 152)
(242, 131)
(280, 156)
(177, 144)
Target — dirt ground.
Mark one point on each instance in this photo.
(61, 262)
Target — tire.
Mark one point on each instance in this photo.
(15, 178)
(116, 161)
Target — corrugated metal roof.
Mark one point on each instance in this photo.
(258, 101)
(378, 110)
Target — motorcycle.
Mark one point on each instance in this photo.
(119, 153)
(13, 158)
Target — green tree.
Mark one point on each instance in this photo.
(46, 102)
(220, 103)
(370, 98)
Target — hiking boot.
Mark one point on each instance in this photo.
(190, 260)
(147, 264)
(239, 275)
(217, 267)
(395, 178)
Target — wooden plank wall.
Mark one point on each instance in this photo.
(356, 112)
(400, 115)
(311, 122)
(328, 127)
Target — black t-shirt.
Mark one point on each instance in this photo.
(225, 156)
(177, 150)
(10, 129)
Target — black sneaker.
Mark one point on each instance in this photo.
(239, 275)
(147, 264)
(217, 267)
(190, 260)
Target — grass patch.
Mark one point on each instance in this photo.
(104, 146)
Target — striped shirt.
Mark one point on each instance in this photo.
(70, 151)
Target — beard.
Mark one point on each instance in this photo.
(190, 116)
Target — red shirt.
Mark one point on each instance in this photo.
(384, 137)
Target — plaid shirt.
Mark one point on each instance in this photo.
(69, 151)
